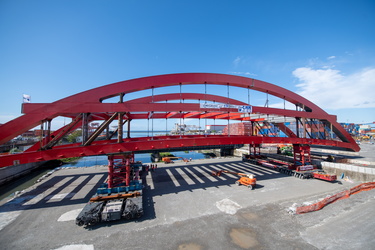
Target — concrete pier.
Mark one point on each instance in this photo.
(12, 172)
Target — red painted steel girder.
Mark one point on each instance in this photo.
(158, 142)
(186, 96)
(53, 109)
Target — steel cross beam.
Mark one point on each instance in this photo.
(101, 128)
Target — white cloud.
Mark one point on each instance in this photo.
(7, 118)
(242, 73)
(331, 57)
(329, 88)
(237, 61)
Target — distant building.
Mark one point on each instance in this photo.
(241, 128)
(215, 128)
(38, 132)
(28, 134)
(359, 129)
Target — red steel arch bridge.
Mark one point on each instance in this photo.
(305, 124)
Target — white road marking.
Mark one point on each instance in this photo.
(195, 176)
(69, 216)
(208, 176)
(210, 171)
(151, 182)
(220, 167)
(264, 169)
(76, 247)
(89, 185)
(40, 197)
(186, 177)
(176, 183)
(67, 191)
(251, 170)
(7, 218)
(59, 197)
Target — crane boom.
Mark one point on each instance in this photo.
(245, 179)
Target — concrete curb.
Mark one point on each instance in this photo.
(354, 172)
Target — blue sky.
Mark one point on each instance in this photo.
(323, 50)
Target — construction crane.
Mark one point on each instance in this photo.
(245, 179)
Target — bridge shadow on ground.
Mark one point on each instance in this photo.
(174, 179)
(58, 190)
(64, 190)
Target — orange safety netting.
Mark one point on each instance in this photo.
(341, 195)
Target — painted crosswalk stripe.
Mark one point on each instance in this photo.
(244, 170)
(219, 167)
(65, 192)
(224, 167)
(194, 175)
(40, 197)
(211, 171)
(251, 168)
(150, 181)
(82, 193)
(175, 181)
(264, 169)
(185, 176)
(206, 174)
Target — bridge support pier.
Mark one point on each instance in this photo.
(155, 157)
(119, 169)
(254, 149)
(301, 153)
(226, 152)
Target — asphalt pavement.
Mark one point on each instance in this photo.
(187, 208)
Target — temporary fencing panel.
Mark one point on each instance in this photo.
(341, 195)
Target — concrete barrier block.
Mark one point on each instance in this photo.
(368, 170)
(348, 167)
(355, 168)
(361, 169)
(373, 171)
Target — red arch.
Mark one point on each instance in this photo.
(92, 101)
